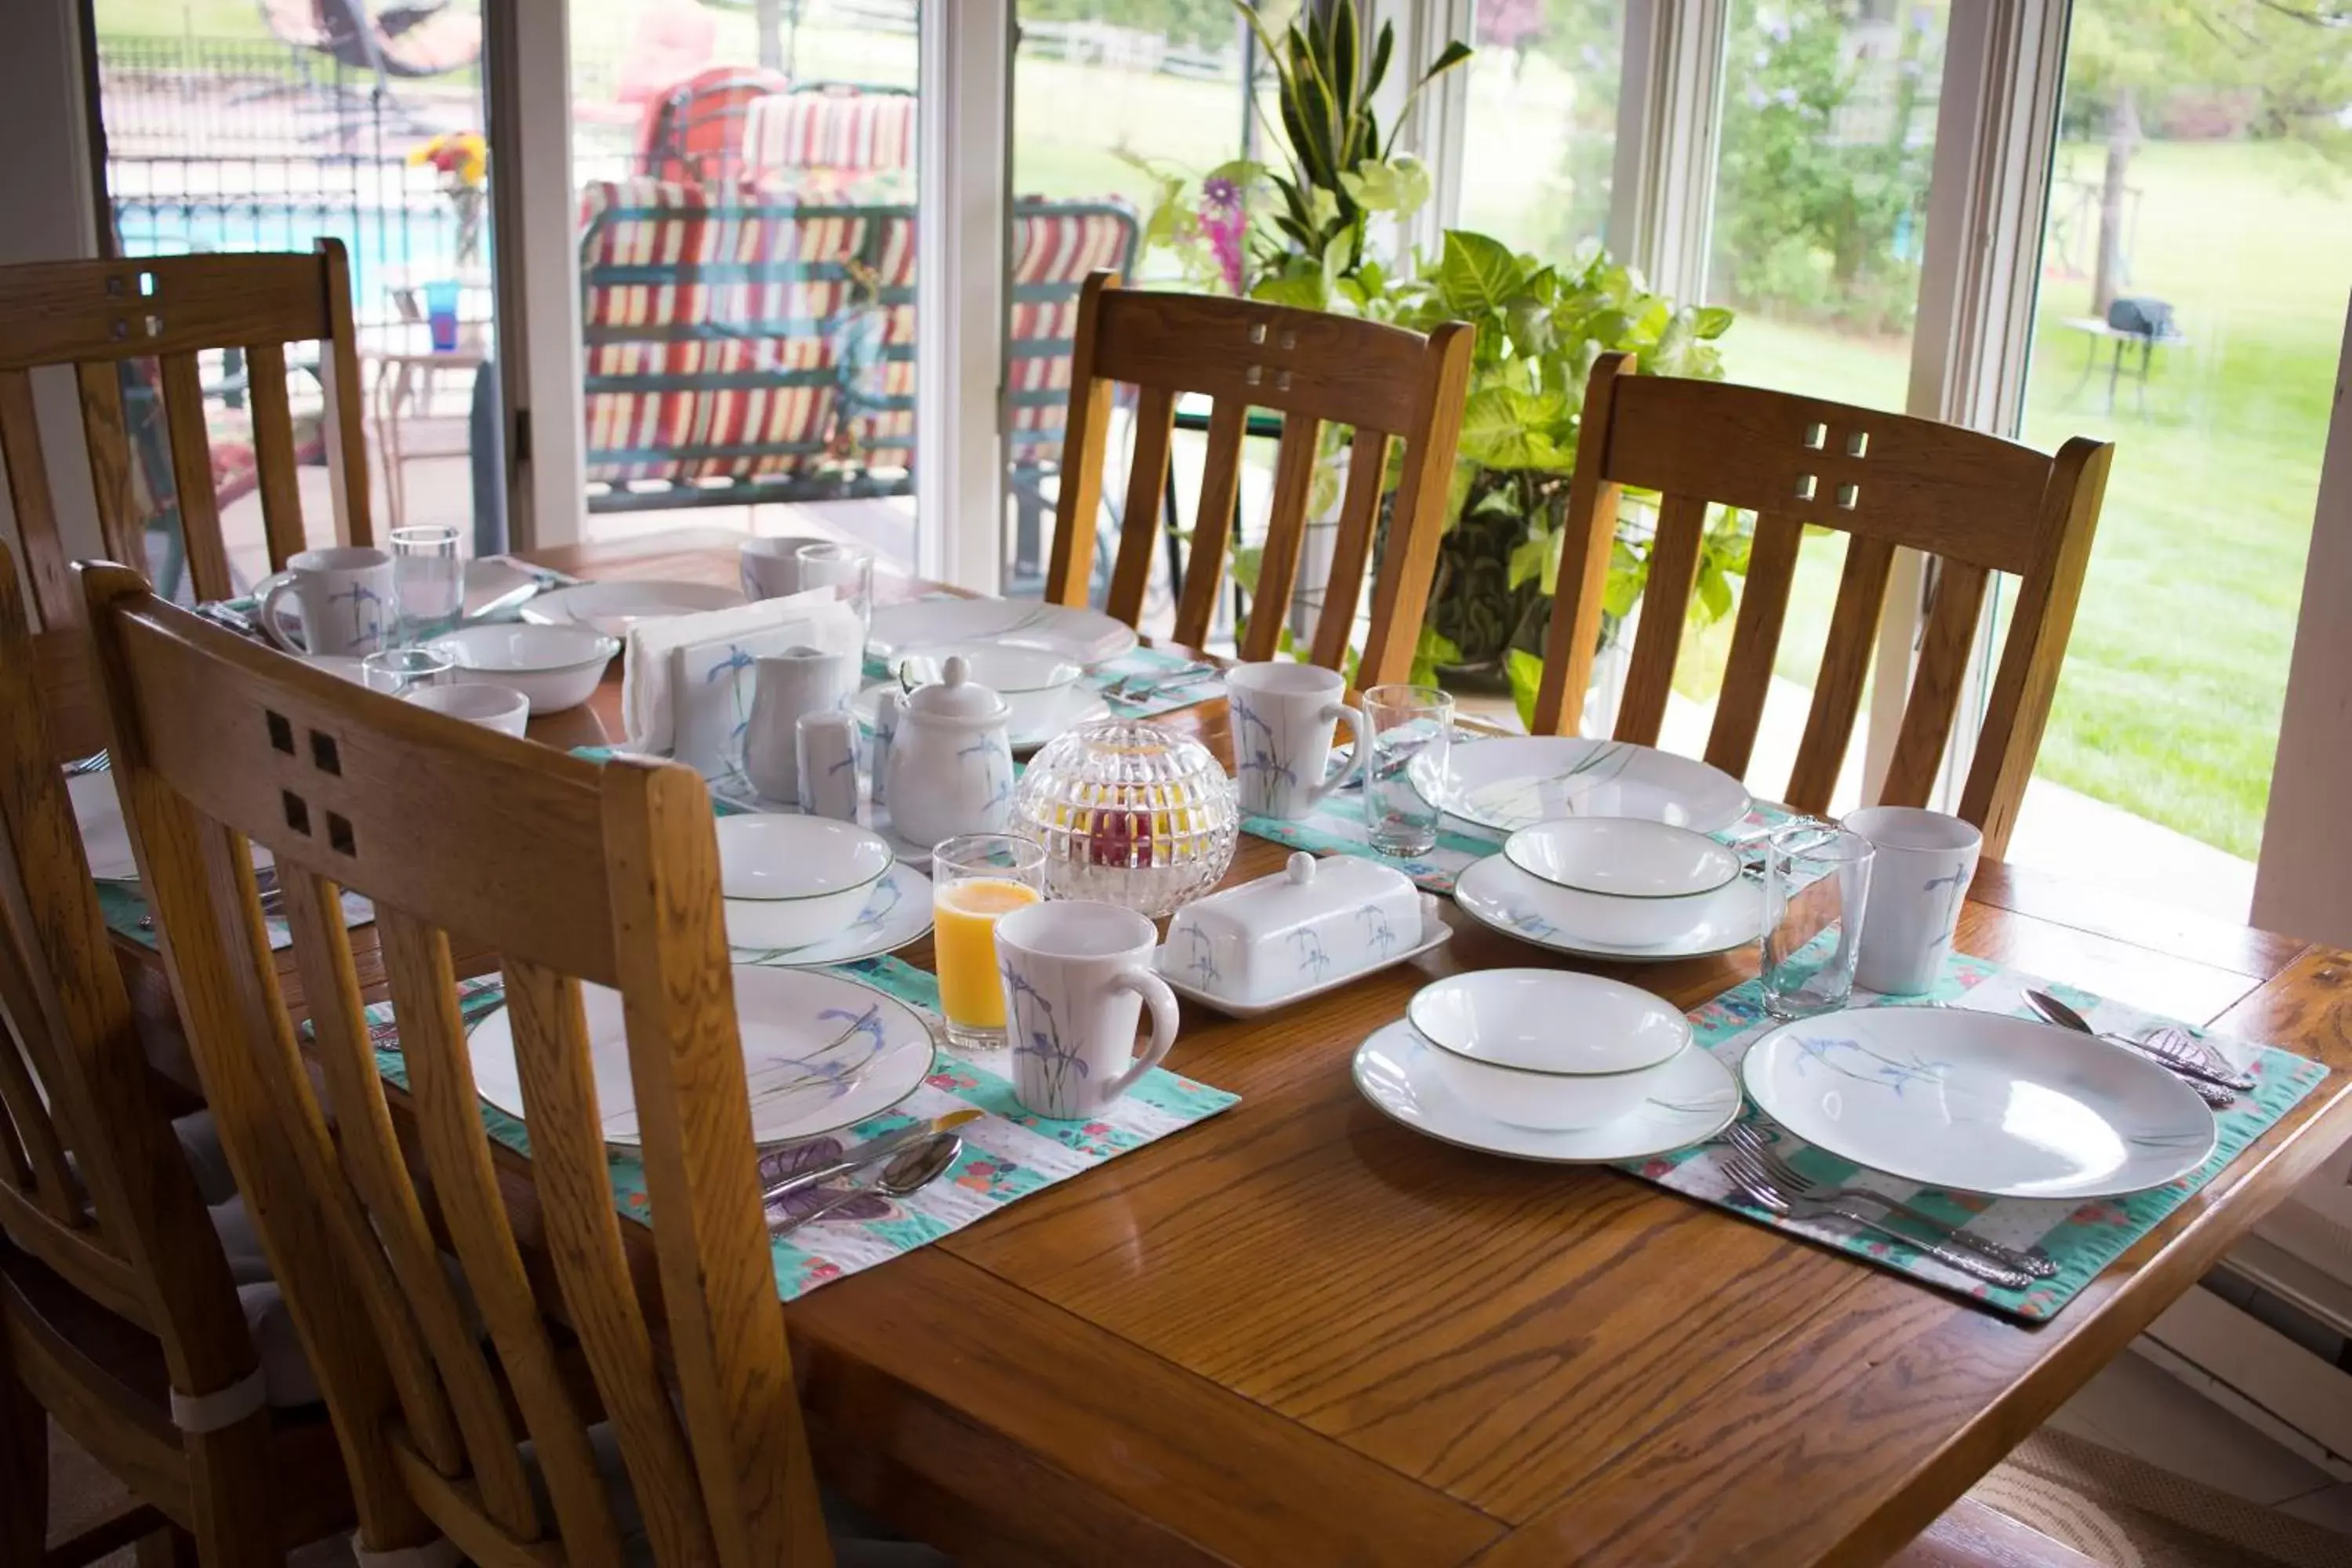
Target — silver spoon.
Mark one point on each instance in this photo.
(918, 1168)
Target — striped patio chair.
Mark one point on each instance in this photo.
(694, 132)
(832, 136)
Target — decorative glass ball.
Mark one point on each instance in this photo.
(1131, 813)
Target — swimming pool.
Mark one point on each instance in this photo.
(388, 244)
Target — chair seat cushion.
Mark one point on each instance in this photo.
(285, 1368)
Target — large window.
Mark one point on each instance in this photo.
(747, 189)
(1540, 131)
(2194, 273)
(234, 128)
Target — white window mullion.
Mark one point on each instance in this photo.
(535, 255)
(1996, 124)
(1669, 114)
(963, 233)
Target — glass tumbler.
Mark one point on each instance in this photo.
(843, 567)
(428, 580)
(975, 879)
(397, 671)
(1404, 724)
(1816, 881)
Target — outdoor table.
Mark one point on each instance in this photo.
(1298, 1333)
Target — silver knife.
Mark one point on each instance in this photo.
(2065, 1017)
(866, 1153)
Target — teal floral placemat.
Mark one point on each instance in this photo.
(2082, 1238)
(1008, 1153)
(126, 912)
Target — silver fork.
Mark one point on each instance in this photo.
(1757, 1188)
(1144, 685)
(95, 763)
(2177, 1045)
(1750, 1140)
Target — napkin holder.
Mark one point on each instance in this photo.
(687, 685)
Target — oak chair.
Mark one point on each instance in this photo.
(120, 1313)
(95, 315)
(1384, 382)
(575, 873)
(1975, 503)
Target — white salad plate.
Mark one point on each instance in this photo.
(1498, 894)
(615, 607)
(1434, 932)
(821, 1053)
(1692, 1098)
(1032, 718)
(1085, 637)
(898, 912)
(1980, 1102)
(1518, 781)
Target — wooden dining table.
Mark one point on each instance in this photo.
(1298, 1333)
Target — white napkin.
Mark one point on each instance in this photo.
(656, 652)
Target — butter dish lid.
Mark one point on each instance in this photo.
(1305, 889)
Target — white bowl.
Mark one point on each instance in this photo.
(1548, 1048)
(789, 881)
(555, 667)
(1621, 879)
(500, 707)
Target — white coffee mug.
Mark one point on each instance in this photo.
(771, 568)
(1076, 974)
(500, 707)
(1920, 874)
(1283, 716)
(345, 594)
(826, 751)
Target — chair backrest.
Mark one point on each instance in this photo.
(709, 329)
(1975, 503)
(694, 132)
(845, 133)
(1383, 382)
(93, 315)
(574, 874)
(93, 1184)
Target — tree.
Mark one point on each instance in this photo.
(2288, 64)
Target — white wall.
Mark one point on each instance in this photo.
(2303, 886)
(46, 190)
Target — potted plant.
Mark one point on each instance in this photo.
(1301, 237)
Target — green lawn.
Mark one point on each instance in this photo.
(2170, 701)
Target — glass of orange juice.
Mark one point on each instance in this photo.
(975, 878)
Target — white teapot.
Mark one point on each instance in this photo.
(951, 764)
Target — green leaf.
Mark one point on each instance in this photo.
(1399, 185)
(1508, 427)
(1711, 322)
(1713, 591)
(1382, 47)
(1454, 54)
(1527, 562)
(1629, 573)
(1476, 275)
(1526, 671)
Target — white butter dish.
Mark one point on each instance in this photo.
(1314, 924)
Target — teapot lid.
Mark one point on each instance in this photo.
(956, 695)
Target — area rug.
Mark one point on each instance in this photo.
(2123, 1512)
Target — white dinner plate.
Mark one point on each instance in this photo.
(615, 607)
(1032, 718)
(1980, 1102)
(897, 913)
(1400, 1073)
(105, 840)
(806, 1078)
(1497, 893)
(1518, 781)
(1088, 637)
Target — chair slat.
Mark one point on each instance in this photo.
(1408, 557)
(1937, 676)
(1213, 525)
(192, 476)
(37, 1152)
(1590, 541)
(465, 1182)
(1845, 665)
(106, 432)
(2040, 621)
(583, 1237)
(29, 493)
(1286, 534)
(1755, 642)
(1351, 548)
(1665, 607)
(1146, 472)
(1084, 436)
(451, 1406)
(347, 451)
(273, 452)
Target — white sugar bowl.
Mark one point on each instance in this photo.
(1314, 921)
